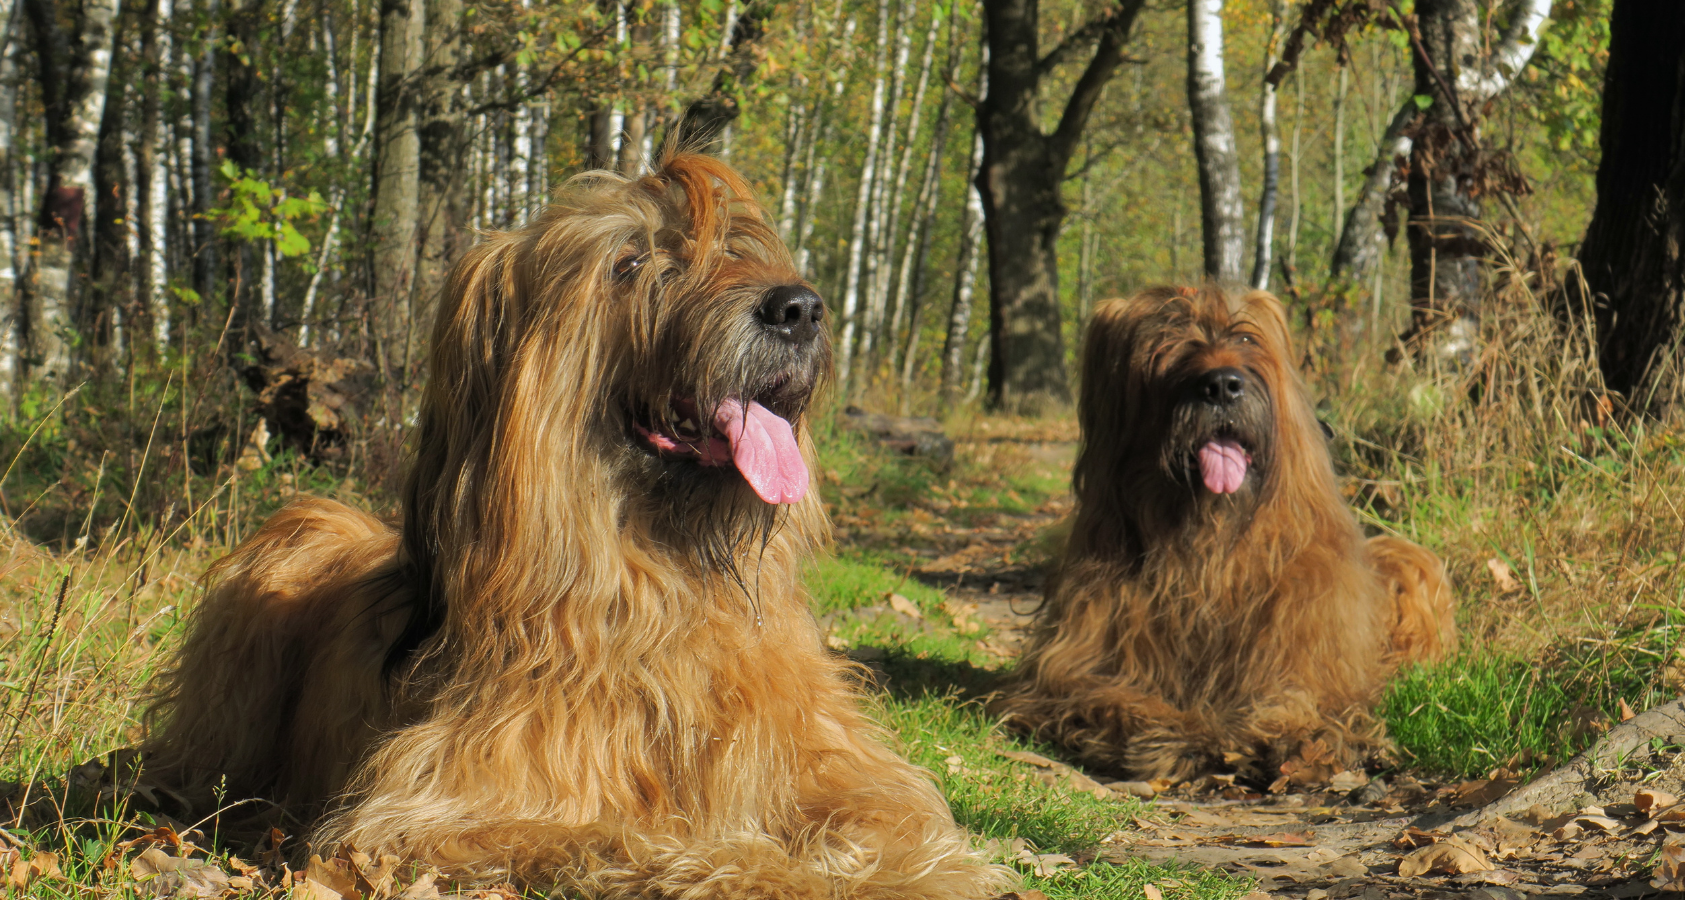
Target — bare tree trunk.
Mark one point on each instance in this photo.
(1270, 131)
(1340, 150)
(100, 307)
(880, 230)
(204, 249)
(1362, 239)
(152, 181)
(73, 74)
(442, 197)
(1634, 264)
(862, 207)
(894, 281)
(965, 279)
(1021, 180)
(1222, 212)
(10, 310)
(397, 185)
(1453, 68)
(917, 255)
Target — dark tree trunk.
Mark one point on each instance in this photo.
(242, 98)
(1444, 251)
(1023, 169)
(204, 249)
(1634, 251)
(110, 283)
(443, 204)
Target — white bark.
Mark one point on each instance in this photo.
(863, 204)
(1477, 84)
(893, 286)
(965, 282)
(71, 172)
(880, 230)
(1221, 208)
(1270, 131)
(1361, 239)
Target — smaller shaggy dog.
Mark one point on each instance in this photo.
(586, 659)
(1217, 606)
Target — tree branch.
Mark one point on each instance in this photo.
(1511, 55)
(1106, 58)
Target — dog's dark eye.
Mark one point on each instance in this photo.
(630, 264)
(1245, 338)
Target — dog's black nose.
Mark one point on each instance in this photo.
(1222, 386)
(793, 312)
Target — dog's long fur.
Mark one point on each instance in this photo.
(579, 662)
(1188, 630)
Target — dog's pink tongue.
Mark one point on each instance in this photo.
(764, 448)
(1222, 464)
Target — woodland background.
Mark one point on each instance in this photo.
(192, 191)
(223, 225)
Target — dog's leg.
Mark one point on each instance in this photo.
(272, 664)
(1424, 627)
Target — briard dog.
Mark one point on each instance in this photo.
(1217, 607)
(585, 659)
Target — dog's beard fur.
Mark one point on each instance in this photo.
(587, 657)
(1200, 620)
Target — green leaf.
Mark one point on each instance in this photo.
(1422, 101)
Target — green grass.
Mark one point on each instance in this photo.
(1484, 709)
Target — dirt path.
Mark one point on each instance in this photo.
(1335, 835)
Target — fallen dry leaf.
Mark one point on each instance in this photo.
(1502, 575)
(1152, 892)
(905, 607)
(1670, 866)
(1282, 839)
(21, 872)
(1626, 711)
(1025, 756)
(1451, 856)
(163, 875)
(1652, 802)
(1044, 864)
(422, 889)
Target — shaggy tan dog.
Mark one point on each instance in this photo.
(586, 659)
(1217, 605)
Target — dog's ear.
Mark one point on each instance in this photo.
(475, 326)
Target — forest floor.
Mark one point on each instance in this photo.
(933, 582)
(960, 572)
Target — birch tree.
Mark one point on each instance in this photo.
(1269, 132)
(1222, 212)
(73, 68)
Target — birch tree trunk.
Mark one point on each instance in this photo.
(894, 279)
(1222, 212)
(1270, 132)
(11, 327)
(152, 181)
(862, 207)
(965, 279)
(917, 254)
(879, 229)
(397, 184)
(73, 73)
(1454, 69)
(1362, 239)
